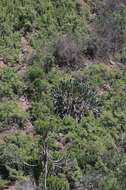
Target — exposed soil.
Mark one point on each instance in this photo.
(2, 63)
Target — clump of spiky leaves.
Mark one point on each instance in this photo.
(75, 98)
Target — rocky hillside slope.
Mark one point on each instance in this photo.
(62, 94)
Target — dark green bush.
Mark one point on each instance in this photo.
(15, 154)
(35, 72)
(11, 114)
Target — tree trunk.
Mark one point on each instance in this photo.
(45, 163)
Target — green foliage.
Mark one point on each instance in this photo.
(34, 73)
(11, 115)
(10, 84)
(16, 155)
(75, 98)
(64, 105)
(110, 183)
(39, 110)
(56, 183)
(43, 127)
(108, 120)
(3, 183)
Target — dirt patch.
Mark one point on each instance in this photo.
(23, 103)
(2, 63)
(12, 187)
(27, 52)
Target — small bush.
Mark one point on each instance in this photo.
(56, 183)
(11, 115)
(10, 83)
(74, 98)
(35, 72)
(67, 53)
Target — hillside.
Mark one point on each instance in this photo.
(62, 95)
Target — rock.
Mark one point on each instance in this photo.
(28, 127)
(23, 103)
(106, 87)
(60, 146)
(28, 54)
(2, 63)
(22, 71)
(112, 62)
(24, 42)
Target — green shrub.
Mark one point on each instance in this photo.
(43, 127)
(10, 83)
(56, 183)
(108, 120)
(16, 155)
(75, 98)
(3, 183)
(34, 73)
(39, 110)
(11, 115)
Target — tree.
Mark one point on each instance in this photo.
(44, 128)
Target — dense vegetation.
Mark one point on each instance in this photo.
(63, 94)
